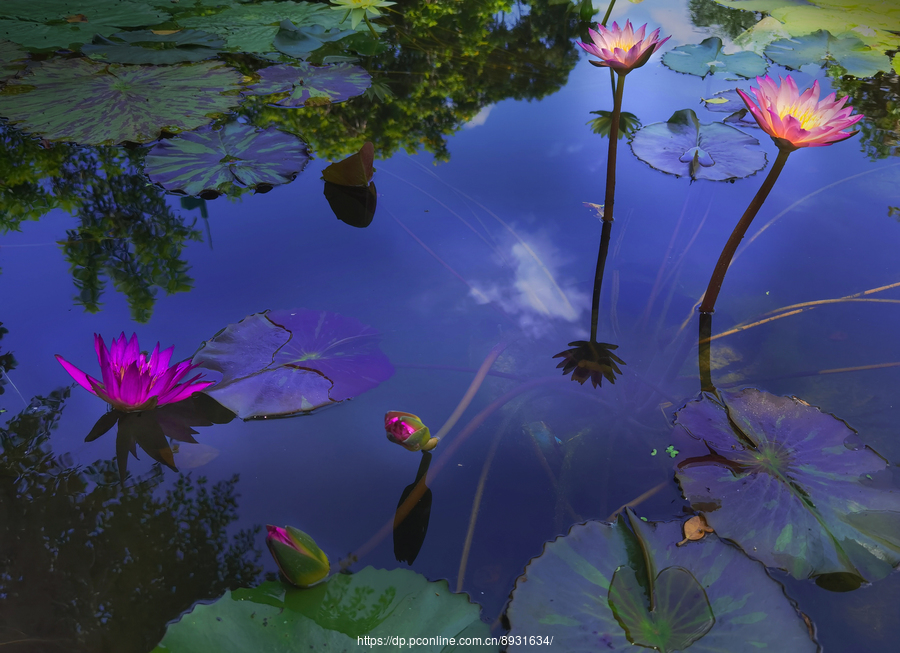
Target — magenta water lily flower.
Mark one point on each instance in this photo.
(134, 381)
(796, 120)
(623, 50)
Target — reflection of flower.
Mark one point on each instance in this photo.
(298, 557)
(408, 431)
(134, 381)
(623, 50)
(149, 429)
(590, 360)
(359, 10)
(794, 120)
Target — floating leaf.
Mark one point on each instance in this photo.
(724, 102)
(253, 27)
(574, 591)
(11, 60)
(356, 170)
(287, 362)
(680, 615)
(147, 47)
(330, 616)
(97, 104)
(46, 24)
(299, 42)
(730, 102)
(213, 159)
(683, 146)
(789, 485)
(708, 58)
(875, 22)
(695, 529)
(304, 83)
(848, 51)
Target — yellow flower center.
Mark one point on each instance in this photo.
(624, 44)
(809, 118)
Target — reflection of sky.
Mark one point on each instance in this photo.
(532, 164)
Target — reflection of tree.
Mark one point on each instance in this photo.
(127, 232)
(706, 13)
(25, 166)
(878, 98)
(7, 361)
(86, 565)
(446, 62)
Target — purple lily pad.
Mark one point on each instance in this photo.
(213, 159)
(307, 84)
(279, 363)
(590, 591)
(789, 484)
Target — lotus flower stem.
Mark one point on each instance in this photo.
(611, 156)
(612, 3)
(371, 29)
(703, 353)
(598, 277)
(472, 389)
(718, 276)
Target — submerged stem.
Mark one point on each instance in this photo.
(718, 276)
(598, 277)
(703, 352)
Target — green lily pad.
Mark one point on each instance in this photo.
(874, 22)
(680, 612)
(299, 42)
(287, 362)
(707, 58)
(253, 27)
(12, 60)
(789, 484)
(213, 159)
(145, 47)
(99, 104)
(372, 603)
(302, 83)
(53, 24)
(848, 51)
(591, 591)
(683, 146)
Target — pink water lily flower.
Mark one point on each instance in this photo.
(623, 50)
(794, 120)
(133, 381)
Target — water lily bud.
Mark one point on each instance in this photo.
(408, 431)
(299, 558)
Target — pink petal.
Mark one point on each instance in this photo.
(80, 377)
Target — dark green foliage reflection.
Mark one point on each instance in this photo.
(445, 62)
(86, 565)
(126, 231)
(878, 98)
(706, 13)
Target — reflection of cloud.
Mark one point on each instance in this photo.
(535, 294)
(480, 118)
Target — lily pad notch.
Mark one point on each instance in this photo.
(282, 363)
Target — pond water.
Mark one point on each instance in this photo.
(481, 246)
